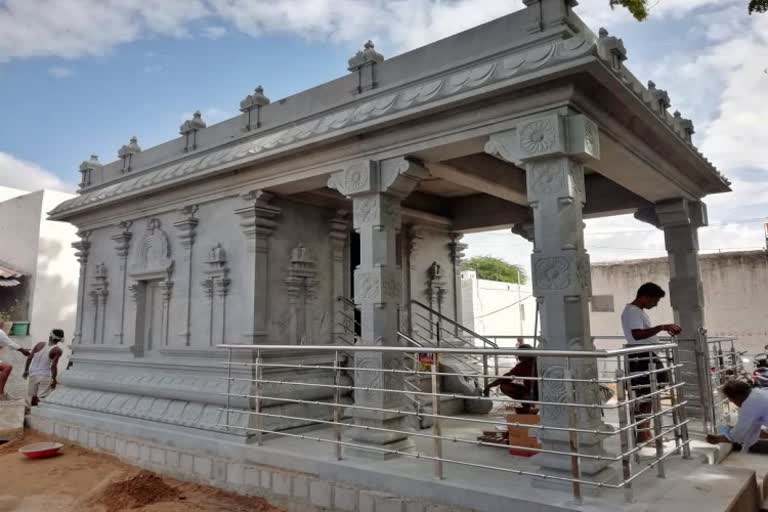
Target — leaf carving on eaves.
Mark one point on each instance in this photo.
(464, 80)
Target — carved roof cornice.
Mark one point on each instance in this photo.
(389, 103)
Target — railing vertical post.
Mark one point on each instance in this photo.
(673, 397)
(573, 436)
(229, 386)
(657, 418)
(337, 403)
(437, 442)
(257, 405)
(632, 399)
(625, 431)
(485, 371)
(681, 400)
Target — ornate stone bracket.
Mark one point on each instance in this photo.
(300, 283)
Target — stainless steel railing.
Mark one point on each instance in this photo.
(254, 395)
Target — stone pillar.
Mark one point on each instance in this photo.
(187, 233)
(339, 235)
(680, 220)
(377, 189)
(82, 248)
(406, 248)
(257, 220)
(456, 249)
(122, 248)
(552, 148)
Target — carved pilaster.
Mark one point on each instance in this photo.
(376, 189)
(257, 221)
(99, 295)
(82, 249)
(300, 283)
(216, 285)
(187, 232)
(122, 248)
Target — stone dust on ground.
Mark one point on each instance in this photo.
(84, 481)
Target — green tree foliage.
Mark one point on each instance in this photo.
(495, 269)
(758, 6)
(639, 8)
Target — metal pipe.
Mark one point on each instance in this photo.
(624, 436)
(437, 444)
(655, 405)
(337, 402)
(257, 405)
(229, 382)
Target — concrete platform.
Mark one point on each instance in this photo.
(401, 482)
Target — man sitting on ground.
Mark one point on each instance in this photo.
(7, 368)
(42, 367)
(753, 414)
(526, 389)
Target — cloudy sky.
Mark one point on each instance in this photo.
(82, 76)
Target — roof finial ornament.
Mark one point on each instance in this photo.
(254, 102)
(126, 152)
(189, 130)
(368, 57)
(683, 126)
(611, 49)
(659, 97)
(86, 171)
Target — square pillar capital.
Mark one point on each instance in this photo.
(394, 176)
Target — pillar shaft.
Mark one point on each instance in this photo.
(376, 189)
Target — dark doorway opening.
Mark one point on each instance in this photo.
(354, 262)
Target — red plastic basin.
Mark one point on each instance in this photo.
(41, 450)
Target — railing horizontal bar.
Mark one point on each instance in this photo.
(422, 456)
(422, 434)
(600, 354)
(403, 412)
(654, 463)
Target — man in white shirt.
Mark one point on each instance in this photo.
(753, 414)
(638, 331)
(6, 368)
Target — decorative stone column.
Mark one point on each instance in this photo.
(82, 248)
(552, 148)
(406, 249)
(99, 295)
(680, 220)
(257, 220)
(377, 189)
(456, 249)
(187, 233)
(215, 285)
(122, 248)
(339, 235)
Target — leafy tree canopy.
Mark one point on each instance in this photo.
(495, 269)
(639, 8)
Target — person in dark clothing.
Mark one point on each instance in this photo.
(524, 388)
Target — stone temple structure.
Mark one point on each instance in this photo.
(249, 231)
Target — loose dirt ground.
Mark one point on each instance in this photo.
(84, 481)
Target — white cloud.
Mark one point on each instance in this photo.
(60, 72)
(75, 28)
(214, 32)
(17, 173)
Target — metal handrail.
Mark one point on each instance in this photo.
(455, 324)
(666, 415)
